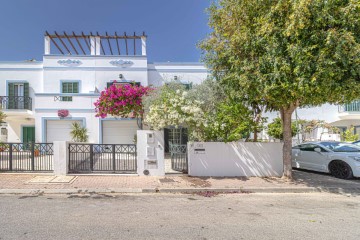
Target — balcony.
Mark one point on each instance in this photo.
(16, 106)
(350, 110)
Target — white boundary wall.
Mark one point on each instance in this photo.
(235, 159)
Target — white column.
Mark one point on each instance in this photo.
(92, 45)
(61, 157)
(47, 45)
(143, 45)
(150, 152)
(97, 40)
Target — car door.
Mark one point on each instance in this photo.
(309, 159)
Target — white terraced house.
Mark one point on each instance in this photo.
(76, 67)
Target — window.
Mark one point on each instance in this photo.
(122, 83)
(69, 87)
(310, 147)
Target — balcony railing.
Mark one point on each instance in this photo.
(350, 107)
(15, 102)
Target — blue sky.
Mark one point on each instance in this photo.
(173, 26)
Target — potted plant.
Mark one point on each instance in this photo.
(36, 151)
(79, 133)
(2, 147)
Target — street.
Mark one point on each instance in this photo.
(180, 216)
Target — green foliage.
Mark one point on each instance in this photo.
(78, 133)
(206, 110)
(349, 135)
(2, 116)
(284, 53)
(275, 130)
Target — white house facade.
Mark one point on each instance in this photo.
(32, 92)
(75, 68)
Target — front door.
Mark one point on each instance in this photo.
(19, 96)
(28, 134)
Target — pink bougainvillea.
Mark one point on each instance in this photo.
(63, 113)
(121, 101)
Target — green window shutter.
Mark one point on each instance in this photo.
(75, 87)
(11, 100)
(64, 88)
(26, 96)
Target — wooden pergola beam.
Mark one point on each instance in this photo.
(126, 44)
(108, 40)
(117, 43)
(56, 45)
(62, 42)
(78, 42)
(86, 40)
(72, 45)
(134, 44)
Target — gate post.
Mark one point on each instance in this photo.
(61, 157)
(32, 146)
(150, 153)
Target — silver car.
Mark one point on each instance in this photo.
(340, 159)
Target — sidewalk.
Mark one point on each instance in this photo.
(303, 182)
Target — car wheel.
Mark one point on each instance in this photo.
(340, 169)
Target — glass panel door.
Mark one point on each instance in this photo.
(19, 96)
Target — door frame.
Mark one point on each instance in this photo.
(22, 131)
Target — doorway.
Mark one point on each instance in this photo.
(28, 134)
(176, 149)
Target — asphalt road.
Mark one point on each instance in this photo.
(175, 216)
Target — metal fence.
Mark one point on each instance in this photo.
(26, 157)
(104, 158)
(15, 102)
(179, 159)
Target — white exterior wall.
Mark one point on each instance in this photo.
(160, 73)
(236, 159)
(92, 71)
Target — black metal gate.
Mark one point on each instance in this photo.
(179, 159)
(26, 157)
(102, 158)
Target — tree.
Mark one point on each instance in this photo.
(121, 101)
(275, 129)
(78, 133)
(286, 54)
(349, 135)
(169, 105)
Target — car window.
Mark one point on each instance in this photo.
(347, 148)
(308, 147)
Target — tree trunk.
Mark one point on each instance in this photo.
(287, 136)
(255, 134)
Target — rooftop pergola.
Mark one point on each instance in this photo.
(95, 43)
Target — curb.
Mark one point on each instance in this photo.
(182, 190)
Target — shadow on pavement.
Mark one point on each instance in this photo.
(326, 182)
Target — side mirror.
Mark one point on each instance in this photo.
(317, 149)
